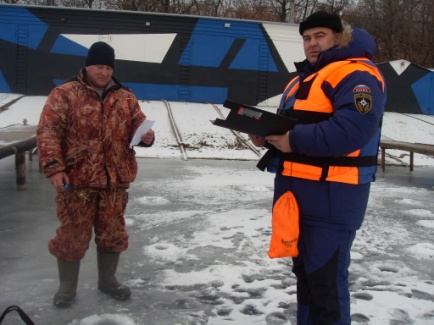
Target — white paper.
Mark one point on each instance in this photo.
(142, 129)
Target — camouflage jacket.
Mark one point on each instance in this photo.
(87, 136)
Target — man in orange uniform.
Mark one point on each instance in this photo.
(83, 137)
(329, 159)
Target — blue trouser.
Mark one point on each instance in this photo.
(322, 276)
(330, 214)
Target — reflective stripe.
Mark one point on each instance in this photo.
(301, 170)
(293, 86)
(349, 175)
(342, 71)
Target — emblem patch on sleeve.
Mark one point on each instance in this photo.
(362, 98)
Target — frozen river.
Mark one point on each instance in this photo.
(199, 233)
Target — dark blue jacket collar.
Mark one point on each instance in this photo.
(362, 45)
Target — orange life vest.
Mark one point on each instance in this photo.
(353, 168)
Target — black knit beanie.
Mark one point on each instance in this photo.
(322, 19)
(101, 53)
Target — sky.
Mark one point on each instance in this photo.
(199, 231)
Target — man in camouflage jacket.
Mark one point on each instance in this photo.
(83, 137)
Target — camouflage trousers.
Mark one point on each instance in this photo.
(81, 210)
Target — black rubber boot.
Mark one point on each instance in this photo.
(68, 276)
(107, 282)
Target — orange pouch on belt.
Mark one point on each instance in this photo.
(285, 227)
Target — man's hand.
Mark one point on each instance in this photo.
(280, 142)
(148, 137)
(257, 141)
(59, 181)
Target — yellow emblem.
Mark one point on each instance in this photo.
(363, 102)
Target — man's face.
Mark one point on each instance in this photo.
(317, 40)
(99, 76)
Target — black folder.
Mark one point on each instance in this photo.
(252, 120)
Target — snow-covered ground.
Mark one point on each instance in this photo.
(199, 232)
(205, 140)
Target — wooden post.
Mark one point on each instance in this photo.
(20, 167)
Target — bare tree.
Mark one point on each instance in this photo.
(76, 3)
(335, 6)
(282, 8)
(208, 7)
(402, 29)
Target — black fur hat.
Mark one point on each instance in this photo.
(322, 19)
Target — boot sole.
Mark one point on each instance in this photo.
(63, 302)
(110, 293)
